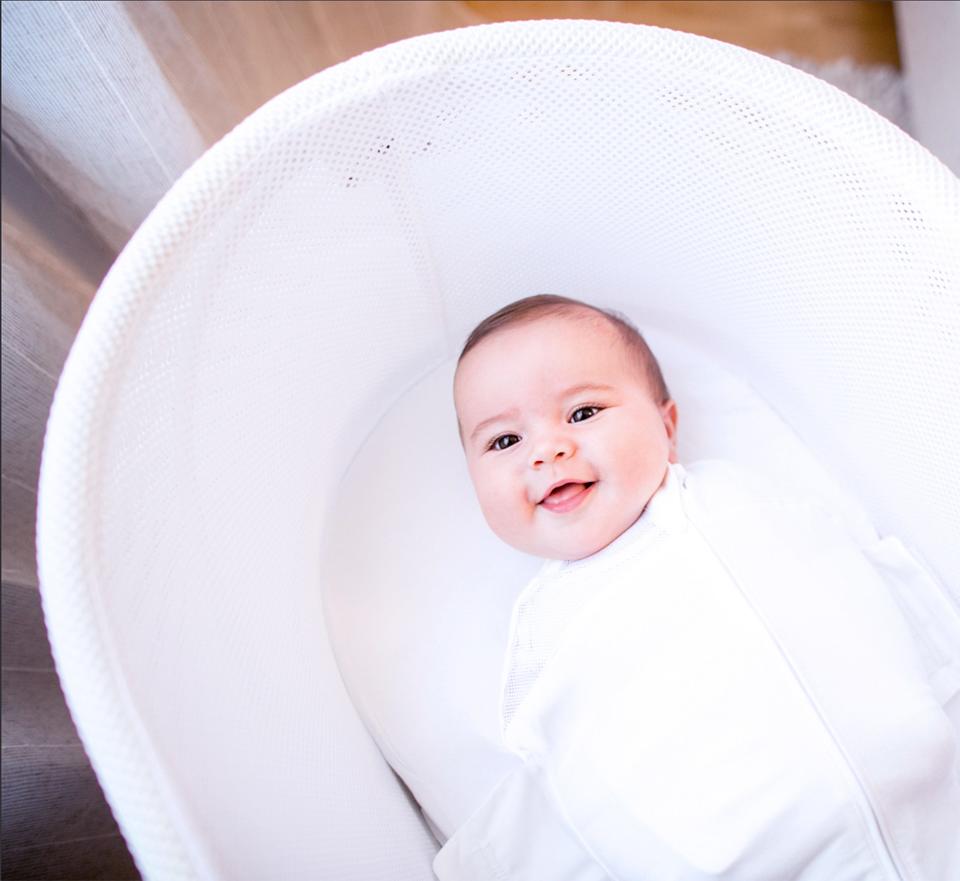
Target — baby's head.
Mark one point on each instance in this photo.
(566, 423)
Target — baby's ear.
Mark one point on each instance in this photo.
(668, 412)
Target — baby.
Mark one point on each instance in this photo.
(573, 460)
(704, 680)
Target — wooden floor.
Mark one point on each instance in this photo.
(224, 58)
(822, 30)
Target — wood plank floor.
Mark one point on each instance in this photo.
(821, 30)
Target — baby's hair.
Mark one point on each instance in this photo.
(542, 305)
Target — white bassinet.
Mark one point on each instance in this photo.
(335, 249)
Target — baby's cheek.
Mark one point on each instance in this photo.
(499, 506)
(650, 461)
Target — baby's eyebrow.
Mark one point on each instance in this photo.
(512, 413)
(587, 387)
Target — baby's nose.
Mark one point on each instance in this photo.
(550, 451)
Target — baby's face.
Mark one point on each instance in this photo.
(564, 441)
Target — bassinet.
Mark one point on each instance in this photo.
(336, 248)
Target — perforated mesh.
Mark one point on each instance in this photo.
(338, 245)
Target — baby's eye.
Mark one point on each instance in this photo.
(582, 413)
(504, 441)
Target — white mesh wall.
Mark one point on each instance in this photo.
(339, 245)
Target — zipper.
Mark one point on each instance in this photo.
(889, 862)
(875, 826)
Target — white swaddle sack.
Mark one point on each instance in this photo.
(731, 689)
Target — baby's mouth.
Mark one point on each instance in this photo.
(559, 497)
